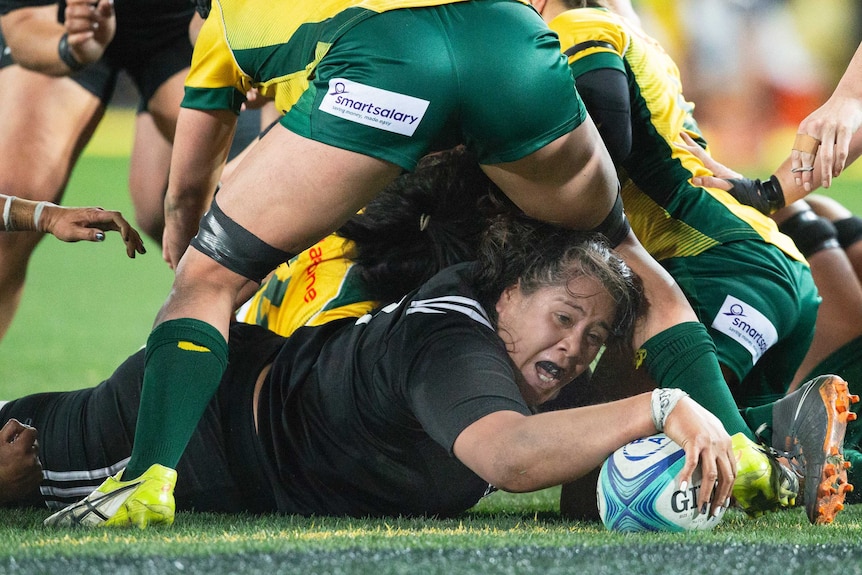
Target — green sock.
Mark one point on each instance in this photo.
(760, 419)
(185, 360)
(683, 356)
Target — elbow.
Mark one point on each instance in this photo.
(514, 477)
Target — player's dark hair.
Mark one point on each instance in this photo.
(421, 223)
(572, 4)
(517, 250)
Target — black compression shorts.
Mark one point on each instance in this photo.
(86, 435)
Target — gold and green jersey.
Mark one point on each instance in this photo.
(671, 217)
(317, 286)
(273, 46)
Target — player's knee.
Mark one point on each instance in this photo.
(234, 247)
(810, 232)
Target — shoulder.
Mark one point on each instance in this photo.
(595, 30)
(450, 293)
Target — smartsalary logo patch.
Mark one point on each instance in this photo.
(373, 107)
(746, 325)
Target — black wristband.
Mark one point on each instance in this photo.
(766, 197)
(66, 54)
(774, 194)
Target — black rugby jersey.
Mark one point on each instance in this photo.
(365, 425)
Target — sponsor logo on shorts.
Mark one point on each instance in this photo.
(373, 107)
(745, 324)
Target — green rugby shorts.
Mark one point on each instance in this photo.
(486, 73)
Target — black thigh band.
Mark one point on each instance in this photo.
(616, 225)
(849, 231)
(235, 247)
(810, 232)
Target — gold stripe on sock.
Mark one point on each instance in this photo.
(189, 346)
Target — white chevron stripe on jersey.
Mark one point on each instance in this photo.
(86, 474)
(460, 304)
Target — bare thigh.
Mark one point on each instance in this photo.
(47, 123)
(291, 191)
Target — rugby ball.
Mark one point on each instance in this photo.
(638, 489)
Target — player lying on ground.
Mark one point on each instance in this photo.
(403, 233)
(450, 222)
(414, 410)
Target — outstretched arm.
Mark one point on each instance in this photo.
(521, 453)
(68, 224)
(785, 189)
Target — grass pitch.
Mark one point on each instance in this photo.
(87, 307)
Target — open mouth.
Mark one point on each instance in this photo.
(549, 372)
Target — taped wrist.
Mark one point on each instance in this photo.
(849, 231)
(767, 197)
(8, 226)
(662, 403)
(19, 215)
(236, 248)
(615, 226)
(810, 232)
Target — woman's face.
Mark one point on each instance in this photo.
(554, 333)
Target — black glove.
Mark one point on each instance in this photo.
(766, 197)
(202, 7)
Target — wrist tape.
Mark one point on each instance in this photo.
(7, 214)
(662, 402)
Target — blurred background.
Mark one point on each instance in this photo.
(755, 68)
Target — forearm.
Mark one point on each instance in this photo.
(850, 85)
(520, 453)
(200, 149)
(185, 204)
(33, 37)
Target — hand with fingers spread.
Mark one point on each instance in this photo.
(767, 196)
(76, 224)
(706, 443)
(67, 224)
(20, 469)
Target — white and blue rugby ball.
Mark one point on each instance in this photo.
(638, 489)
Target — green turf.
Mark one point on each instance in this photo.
(87, 307)
(506, 534)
